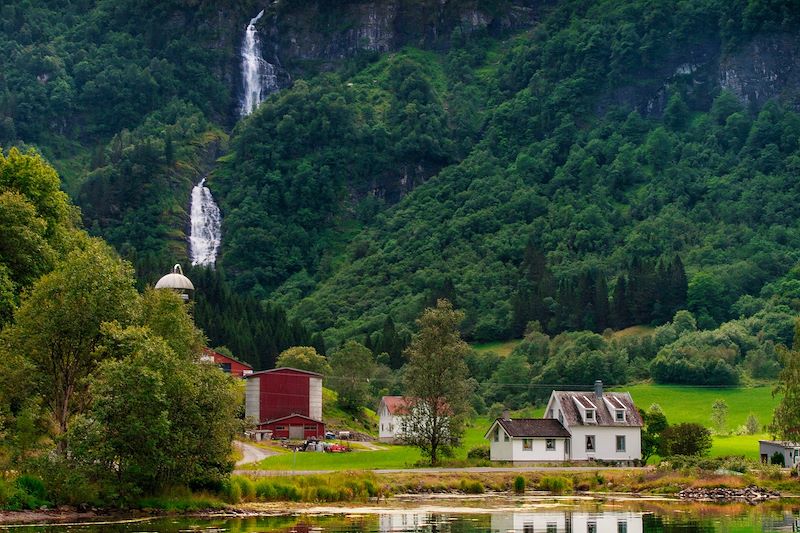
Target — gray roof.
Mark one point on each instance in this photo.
(783, 443)
(604, 418)
(532, 427)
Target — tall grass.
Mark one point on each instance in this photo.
(340, 487)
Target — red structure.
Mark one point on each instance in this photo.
(289, 427)
(286, 401)
(230, 365)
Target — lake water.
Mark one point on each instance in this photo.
(550, 517)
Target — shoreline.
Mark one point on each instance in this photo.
(456, 503)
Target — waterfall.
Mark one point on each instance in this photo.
(259, 78)
(205, 233)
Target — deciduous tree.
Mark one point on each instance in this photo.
(436, 382)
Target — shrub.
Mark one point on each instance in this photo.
(519, 485)
(479, 452)
(471, 486)
(685, 439)
(777, 459)
(232, 492)
(555, 484)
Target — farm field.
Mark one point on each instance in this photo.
(680, 404)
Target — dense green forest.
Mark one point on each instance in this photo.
(574, 173)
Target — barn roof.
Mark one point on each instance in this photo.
(284, 368)
(293, 415)
(603, 416)
(212, 353)
(531, 427)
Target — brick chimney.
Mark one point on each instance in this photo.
(598, 389)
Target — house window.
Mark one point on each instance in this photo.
(527, 527)
(622, 526)
(226, 367)
(589, 443)
(560, 416)
(310, 427)
(552, 527)
(589, 414)
(527, 444)
(591, 527)
(280, 428)
(620, 415)
(550, 444)
(620, 443)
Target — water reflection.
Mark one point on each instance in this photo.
(546, 519)
(569, 522)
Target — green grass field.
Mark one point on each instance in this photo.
(502, 348)
(680, 404)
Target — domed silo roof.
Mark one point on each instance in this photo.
(175, 280)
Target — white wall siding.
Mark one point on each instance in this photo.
(315, 398)
(502, 450)
(605, 442)
(538, 451)
(252, 403)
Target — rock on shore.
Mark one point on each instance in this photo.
(751, 494)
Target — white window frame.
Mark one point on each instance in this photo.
(550, 444)
(624, 443)
(590, 415)
(527, 445)
(620, 415)
(593, 440)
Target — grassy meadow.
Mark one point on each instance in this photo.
(680, 404)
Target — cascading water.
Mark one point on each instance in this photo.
(259, 78)
(205, 234)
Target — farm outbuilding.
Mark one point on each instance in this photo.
(285, 401)
(229, 365)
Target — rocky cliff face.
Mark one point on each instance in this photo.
(766, 67)
(324, 32)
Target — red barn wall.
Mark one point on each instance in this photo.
(280, 429)
(284, 393)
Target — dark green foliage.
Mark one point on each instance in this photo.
(685, 439)
(519, 485)
(655, 423)
(255, 332)
(777, 458)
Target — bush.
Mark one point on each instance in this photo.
(685, 439)
(555, 484)
(471, 486)
(519, 485)
(479, 453)
(777, 459)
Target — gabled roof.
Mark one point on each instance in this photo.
(212, 353)
(395, 404)
(531, 427)
(584, 401)
(603, 416)
(272, 370)
(293, 415)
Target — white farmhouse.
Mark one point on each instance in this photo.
(602, 425)
(391, 412)
(789, 450)
(524, 440)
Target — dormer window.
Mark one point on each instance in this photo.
(589, 414)
(620, 415)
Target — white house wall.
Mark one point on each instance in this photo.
(605, 443)
(503, 449)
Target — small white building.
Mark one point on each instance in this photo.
(527, 440)
(602, 425)
(789, 450)
(391, 413)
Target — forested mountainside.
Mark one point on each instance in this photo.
(581, 164)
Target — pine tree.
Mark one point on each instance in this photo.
(620, 308)
(600, 302)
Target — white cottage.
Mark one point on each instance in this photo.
(602, 425)
(526, 440)
(391, 412)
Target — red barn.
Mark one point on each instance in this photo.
(286, 401)
(230, 365)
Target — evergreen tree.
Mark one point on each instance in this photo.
(620, 308)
